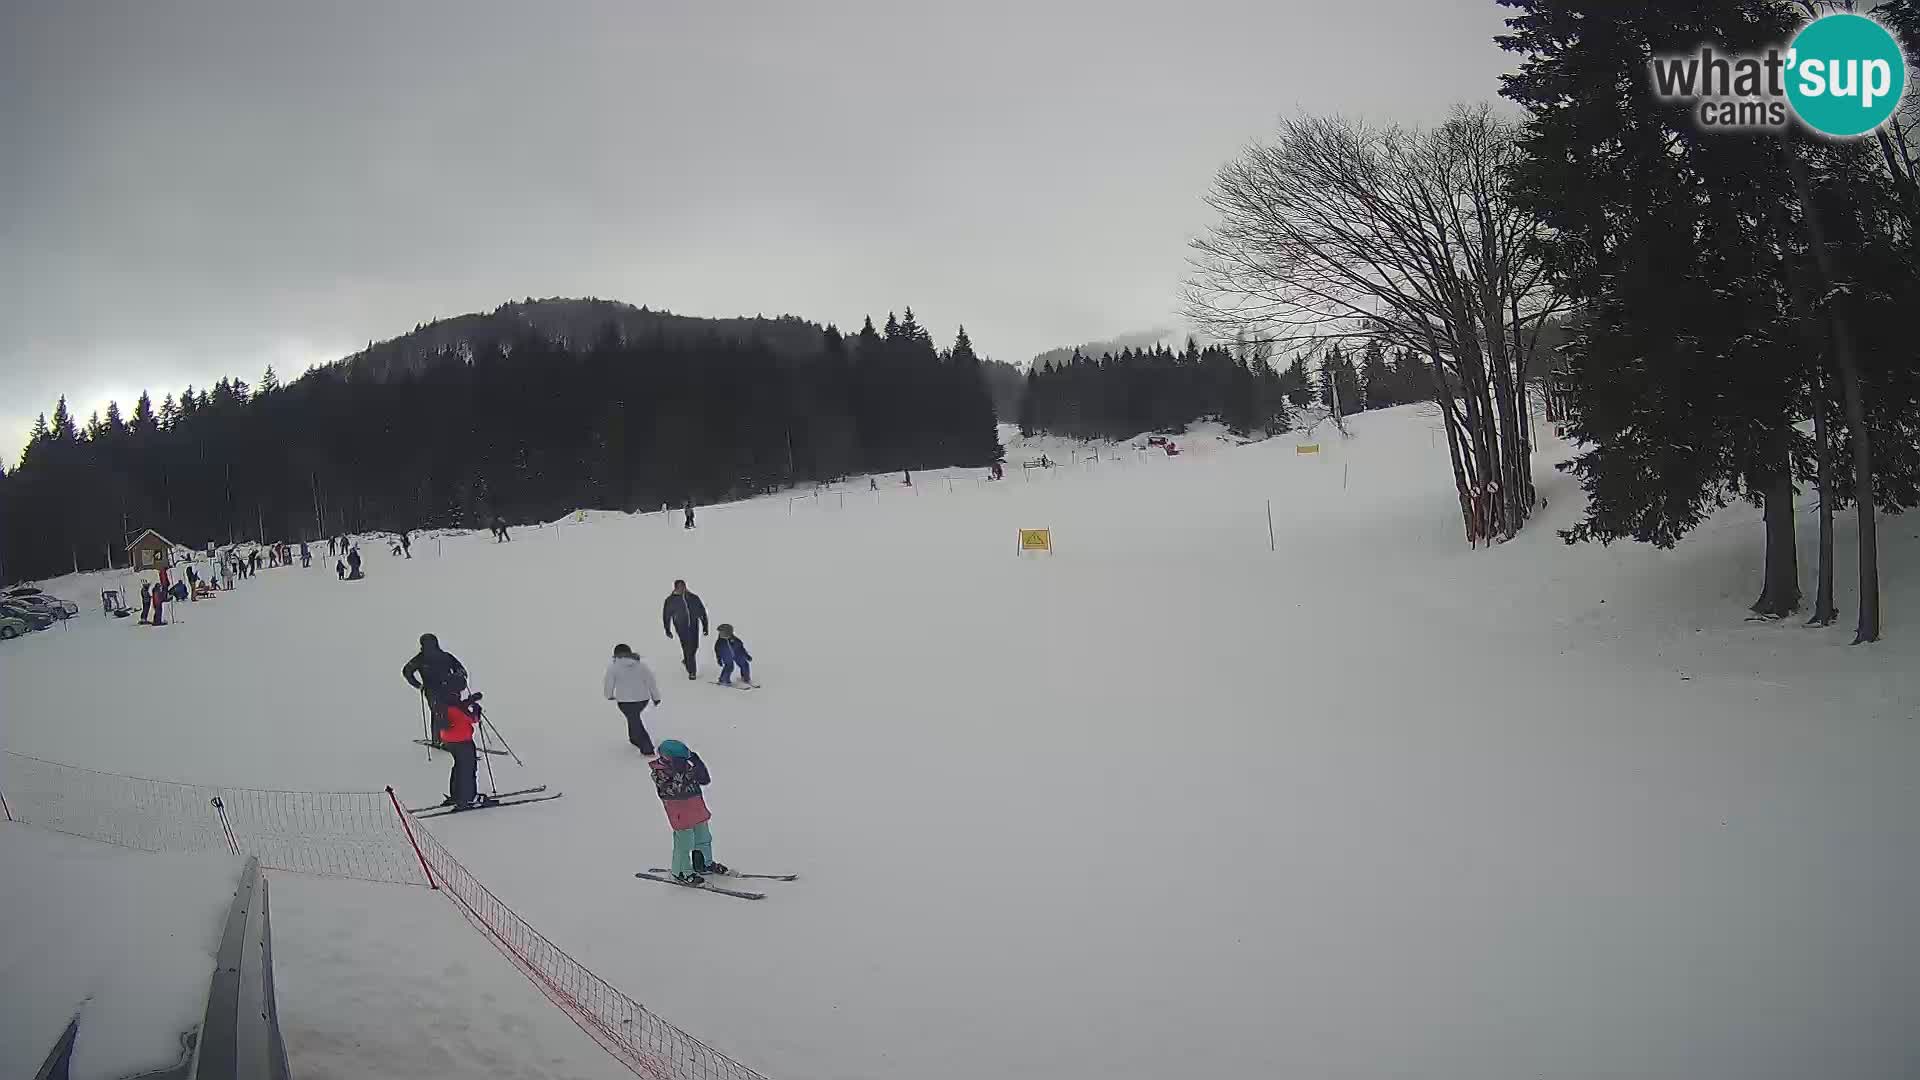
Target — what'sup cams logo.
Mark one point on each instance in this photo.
(1842, 75)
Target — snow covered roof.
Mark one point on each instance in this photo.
(142, 539)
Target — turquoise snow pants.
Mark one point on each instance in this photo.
(686, 842)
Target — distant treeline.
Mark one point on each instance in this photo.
(1120, 395)
(525, 427)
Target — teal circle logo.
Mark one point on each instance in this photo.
(1846, 75)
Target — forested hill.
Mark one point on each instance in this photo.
(527, 413)
(576, 324)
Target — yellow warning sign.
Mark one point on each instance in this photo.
(1307, 448)
(1036, 540)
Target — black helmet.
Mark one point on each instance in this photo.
(428, 641)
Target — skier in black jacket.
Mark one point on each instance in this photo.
(682, 613)
(438, 675)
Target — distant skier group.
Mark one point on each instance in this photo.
(346, 557)
(223, 570)
(679, 774)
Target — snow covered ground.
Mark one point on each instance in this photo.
(1166, 802)
(380, 980)
(127, 939)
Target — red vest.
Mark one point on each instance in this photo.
(459, 726)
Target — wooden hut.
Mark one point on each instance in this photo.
(150, 551)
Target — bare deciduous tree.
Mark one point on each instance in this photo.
(1341, 230)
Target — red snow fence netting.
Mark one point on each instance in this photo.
(348, 834)
(344, 834)
(623, 1027)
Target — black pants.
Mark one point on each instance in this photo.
(636, 731)
(689, 649)
(465, 779)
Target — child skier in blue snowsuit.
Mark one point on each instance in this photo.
(732, 652)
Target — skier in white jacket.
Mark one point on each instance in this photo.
(630, 685)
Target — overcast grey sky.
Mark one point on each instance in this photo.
(192, 189)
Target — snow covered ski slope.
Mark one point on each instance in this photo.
(1164, 802)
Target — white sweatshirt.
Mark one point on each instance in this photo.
(629, 679)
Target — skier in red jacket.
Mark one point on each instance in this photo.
(455, 732)
(160, 597)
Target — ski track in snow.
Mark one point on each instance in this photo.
(1163, 803)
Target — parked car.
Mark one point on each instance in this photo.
(43, 602)
(11, 627)
(35, 618)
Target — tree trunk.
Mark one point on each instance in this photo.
(1868, 628)
(1443, 396)
(1804, 317)
(1780, 588)
(1823, 612)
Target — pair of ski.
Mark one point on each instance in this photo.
(739, 686)
(665, 876)
(442, 746)
(504, 798)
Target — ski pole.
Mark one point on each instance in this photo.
(488, 721)
(491, 782)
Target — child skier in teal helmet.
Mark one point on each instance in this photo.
(678, 774)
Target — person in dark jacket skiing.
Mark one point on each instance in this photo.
(689, 509)
(682, 613)
(306, 556)
(437, 674)
(353, 565)
(146, 601)
(678, 774)
(732, 652)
